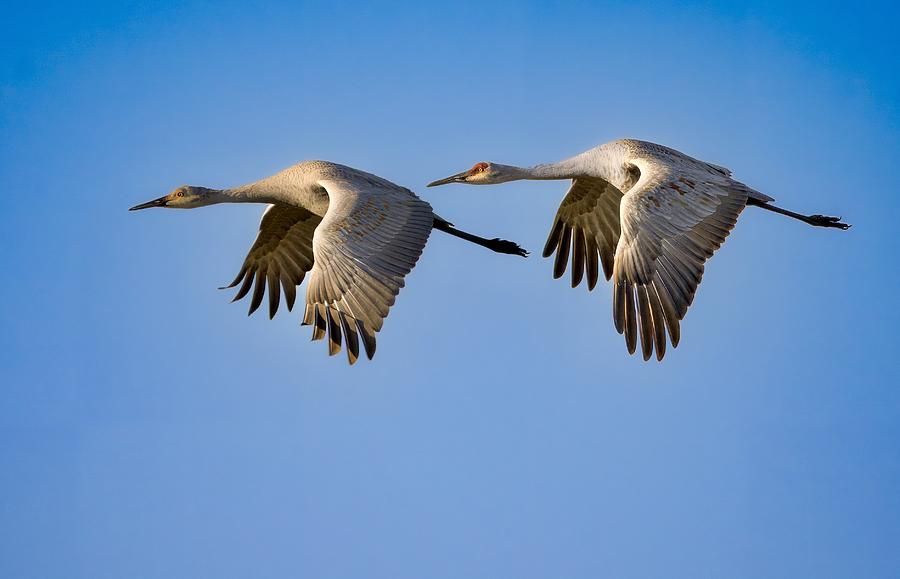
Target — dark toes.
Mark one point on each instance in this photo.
(508, 247)
(827, 221)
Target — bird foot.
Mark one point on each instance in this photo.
(826, 221)
(509, 247)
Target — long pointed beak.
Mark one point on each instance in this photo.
(161, 202)
(458, 178)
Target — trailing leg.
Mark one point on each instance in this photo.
(498, 245)
(814, 220)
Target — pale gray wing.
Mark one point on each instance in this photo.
(281, 255)
(673, 219)
(588, 221)
(370, 238)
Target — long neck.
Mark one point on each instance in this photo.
(562, 170)
(286, 188)
(204, 196)
(250, 193)
(259, 192)
(608, 164)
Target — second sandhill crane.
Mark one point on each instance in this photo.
(356, 234)
(651, 216)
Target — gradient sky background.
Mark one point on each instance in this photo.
(148, 429)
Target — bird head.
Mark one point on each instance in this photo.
(483, 173)
(184, 197)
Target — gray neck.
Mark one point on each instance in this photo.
(608, 164)
(277, 191)
(563, 170)
(214, 196)
(248, 194)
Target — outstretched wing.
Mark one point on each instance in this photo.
(370, 238)
(588, 220)
(673, 219)
(281, 254)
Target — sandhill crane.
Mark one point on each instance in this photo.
(356, 234)
(651, 215)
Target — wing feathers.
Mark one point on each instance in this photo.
(552, 239)
(578, 257)
(671, 225)
(368, 338)
(591, 262)
(258, 290)
(368, 241)
(334, 332)
(646, 322)
(245, 287)
(282, 252)
(659, 324)
(290, 292)
(588, 222)
(630, 318)
(562, 253)
(352, 339)
(319, 321)
(274, 292)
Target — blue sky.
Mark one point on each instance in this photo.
(148, 428)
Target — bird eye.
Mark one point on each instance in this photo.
(180, 194)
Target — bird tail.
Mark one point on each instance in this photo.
(495, 244)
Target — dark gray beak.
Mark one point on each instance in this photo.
(458, 178)
(161, 202)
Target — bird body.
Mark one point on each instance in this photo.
(649, 217)
(357, 235)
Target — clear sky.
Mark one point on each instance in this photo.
(149, 429)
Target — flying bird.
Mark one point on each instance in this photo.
(650, 217)
(356, 234)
